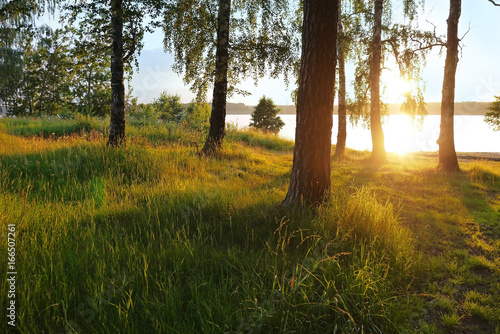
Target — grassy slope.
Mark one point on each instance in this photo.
(151, 238)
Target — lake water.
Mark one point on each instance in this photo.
(472, 134)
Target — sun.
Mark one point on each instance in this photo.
(395, 87)
(400, 134)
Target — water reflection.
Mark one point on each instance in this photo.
(401, 136)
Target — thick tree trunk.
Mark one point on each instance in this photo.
(117, 123)
(447, 155)
(218, 115)
(342, 130)
(310, 180)
(378, 152)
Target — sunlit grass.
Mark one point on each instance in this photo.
(451, 320)
(154, 238)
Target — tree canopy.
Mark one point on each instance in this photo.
(50, 70)
(263, 40)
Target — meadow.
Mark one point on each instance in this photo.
(153, 238)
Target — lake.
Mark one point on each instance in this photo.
(472, 134)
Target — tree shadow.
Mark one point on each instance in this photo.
(479, 189)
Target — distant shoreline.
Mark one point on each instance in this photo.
(433, 108)
(462, 156)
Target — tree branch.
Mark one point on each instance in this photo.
(494, 3)
(131, 50)
(423, 47)
(366, 12)
(468, 30)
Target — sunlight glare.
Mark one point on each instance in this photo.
(400, 136)
(395, 87)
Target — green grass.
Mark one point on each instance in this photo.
(52, 127)
(153, 238)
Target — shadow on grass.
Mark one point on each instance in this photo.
(253, 268)
(420, 198)
(478, 188)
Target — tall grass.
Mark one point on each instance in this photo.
(260, 139)
(154, 238)
(50, 127)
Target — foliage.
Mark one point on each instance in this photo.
(262, 40)
(94, 19)
(11, 68)
(16, 21)
(169, 107)
(492, 118)
(197, 116)
(142, 113)
(50, 71)
(91, 72)
(20, 12)
(265, 116)
(405, 44)
(45, 88)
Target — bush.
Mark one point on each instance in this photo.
(197, 116)
(142, 114)
(66, 113)
(169, 107)
(264, 116)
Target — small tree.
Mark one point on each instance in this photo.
(492, 118)
(264, 116)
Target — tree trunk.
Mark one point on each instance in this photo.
(89, 88)
(218, 115)
(117, 123)
(310, 179)
(342, 130)
(42, 96)
(378, 152)
(447, 155)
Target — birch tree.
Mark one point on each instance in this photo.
(220, 43)
(378, 151)
(120, 24)
(403, 43)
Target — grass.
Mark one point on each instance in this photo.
(153, 238)
(52, 127)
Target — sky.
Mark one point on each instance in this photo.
(478, 73)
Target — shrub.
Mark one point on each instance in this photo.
(169, 107)
(66, 113)
(142, 114)
(197, 116)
